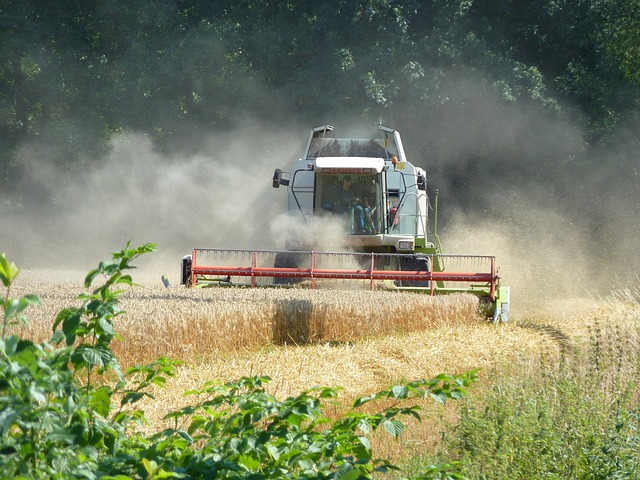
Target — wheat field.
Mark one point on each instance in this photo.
(201, 323)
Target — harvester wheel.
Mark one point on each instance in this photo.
(414, 263)
(286, 260)
(185, 271)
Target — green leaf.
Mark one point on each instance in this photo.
(11, 344)
(362, 400)
(394, 427)
(165, 474)
(69, 405)
(85, 356)
(365, 441)
(32, 299)
(439, 396)
(57, 337)
(248, 462)
(70, 323)
(37, 394)
(347, 472)
(150, 466)
(92, 357)
(328, 392)
(131, 397)
(186, 436)
(159, 381)
(106, 326)
(295, 420)
(25, 356)
(92, 275)
(8, 271)
(273, 451)
(101, 401)
(13, 307)
(7, 416)
(126, 279)
(364, 425)
(399, 392)
(304, 463)
(196, 423)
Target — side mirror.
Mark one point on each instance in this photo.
(422, 182)
(278, 180)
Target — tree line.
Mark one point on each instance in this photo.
(73, 74)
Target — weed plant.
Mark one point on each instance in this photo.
(576, 419)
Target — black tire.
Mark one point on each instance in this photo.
(185, 276)
(286, 260)
(414, 263)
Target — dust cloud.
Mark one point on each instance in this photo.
(562, 216)
(320, 233)
(222, 198)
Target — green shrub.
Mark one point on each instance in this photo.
(57, 420)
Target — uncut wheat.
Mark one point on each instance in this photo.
(190, 323)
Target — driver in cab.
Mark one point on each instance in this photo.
(345, 197)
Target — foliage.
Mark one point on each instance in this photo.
(53, 422)
(67, 409)
(179, 69)
(13, 308)
(579, 419)
(242, 431)
(574, 435)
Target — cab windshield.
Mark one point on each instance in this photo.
(355, 198)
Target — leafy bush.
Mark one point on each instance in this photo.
(55, 398)
(68, 409)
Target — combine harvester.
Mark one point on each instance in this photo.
(363, 200)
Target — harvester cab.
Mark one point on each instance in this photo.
(368, 204)
(377, 199)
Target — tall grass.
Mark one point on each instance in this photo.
(577, 417)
